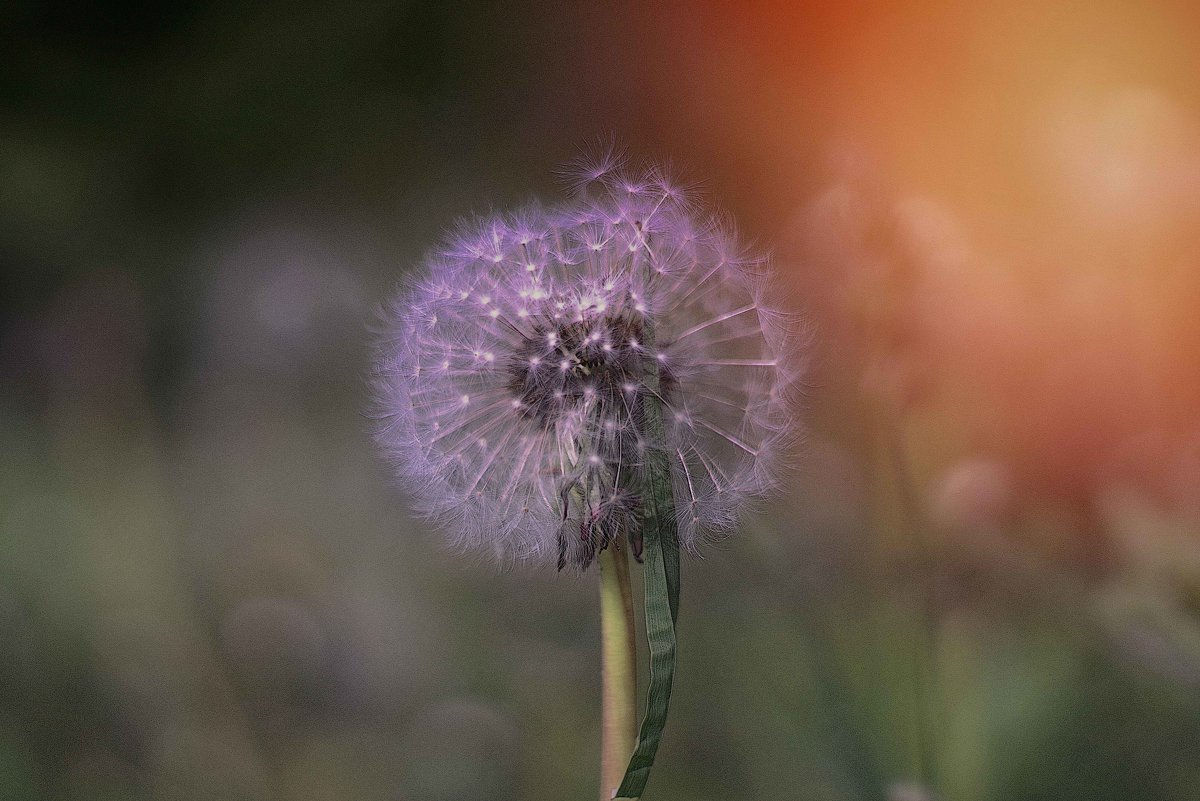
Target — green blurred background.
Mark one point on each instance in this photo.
(982, 581)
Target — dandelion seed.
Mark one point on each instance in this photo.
(582, 287)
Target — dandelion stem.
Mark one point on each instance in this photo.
(661, 573)
(618, 669)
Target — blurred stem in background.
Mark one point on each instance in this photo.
(618, 670)
(894, 381)
(921, 575)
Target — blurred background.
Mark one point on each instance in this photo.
(982, 583)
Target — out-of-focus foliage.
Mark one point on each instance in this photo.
(983, 576)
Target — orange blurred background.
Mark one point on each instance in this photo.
(1008, 193)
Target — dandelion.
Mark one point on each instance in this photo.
(513, 379)
(557, 382)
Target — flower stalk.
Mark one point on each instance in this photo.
(660, 553)
(618, 669)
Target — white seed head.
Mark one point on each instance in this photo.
(512, 379)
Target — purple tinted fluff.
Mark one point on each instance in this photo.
(512, 377)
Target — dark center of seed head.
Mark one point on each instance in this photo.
(562, 365)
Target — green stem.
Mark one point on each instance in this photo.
(661, 573)
(925, 699)
(618, 669)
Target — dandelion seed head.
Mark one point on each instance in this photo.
(515, 371)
